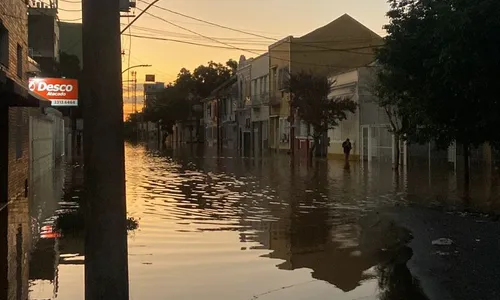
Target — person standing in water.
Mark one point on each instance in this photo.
(346, 145)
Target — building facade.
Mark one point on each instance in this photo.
(243, 107)
(339, 46)
(368, 128)
(14, 144)
(43, 35)
(259, 96)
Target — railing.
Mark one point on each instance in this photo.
(256, 101)
(264, 98)
(275, 100)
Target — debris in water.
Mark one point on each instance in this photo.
(442, 242)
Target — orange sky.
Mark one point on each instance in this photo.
(270, 18)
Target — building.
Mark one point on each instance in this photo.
(341, 45)
(43, 35)
(368, 128)
(259, 96)
(15, 100)
(243, 106)
(151, 130)
(210, 120)
(219, 116)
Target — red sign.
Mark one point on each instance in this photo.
(60, 91)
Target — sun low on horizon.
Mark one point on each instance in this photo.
(175, 34)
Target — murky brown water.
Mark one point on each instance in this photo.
(236, 228)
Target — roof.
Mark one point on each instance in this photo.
(344, 26)
(226, 84)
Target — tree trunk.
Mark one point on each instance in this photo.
(317, 145)
(466, 150)
(398, 152)
(308, 155)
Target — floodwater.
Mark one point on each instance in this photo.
(208, 227)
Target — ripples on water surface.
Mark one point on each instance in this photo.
(236, 228)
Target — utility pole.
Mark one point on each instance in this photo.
(134, 80)
(106, 257)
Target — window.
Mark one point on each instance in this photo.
(4, 46)
(19, 61)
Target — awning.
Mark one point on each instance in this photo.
(17, 95)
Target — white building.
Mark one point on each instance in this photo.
(368, 128)
(259, 95)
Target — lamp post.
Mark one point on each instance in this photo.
(136, 66)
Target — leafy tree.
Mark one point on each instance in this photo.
(389, 101)
(441, 59)
(309, 96)
(179, 100)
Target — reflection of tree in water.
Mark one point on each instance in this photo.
(395, 280)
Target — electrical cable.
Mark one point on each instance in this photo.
(253, 51)
(240, 31)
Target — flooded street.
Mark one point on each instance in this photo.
(246, 228)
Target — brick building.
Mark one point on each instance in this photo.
(15, 103)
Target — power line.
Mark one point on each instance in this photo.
(242, 31)
(191, 43)
(69, 10)
(213, 24)
(199, 34)
(136, 18)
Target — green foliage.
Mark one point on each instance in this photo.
(309, 95)
(441, 61)
(177, 101)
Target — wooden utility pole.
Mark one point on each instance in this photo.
(106, 258)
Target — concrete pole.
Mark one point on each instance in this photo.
(106, 259)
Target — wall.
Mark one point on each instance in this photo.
(336, 47)
(13, 15)
(43, 31)
(346, 86)
(260, 88)
(279, 58)
(14, 230)
(279, 63)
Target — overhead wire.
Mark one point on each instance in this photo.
(191, 43)
(253, 51)
(242, 31)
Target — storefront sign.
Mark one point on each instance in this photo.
(60, 91)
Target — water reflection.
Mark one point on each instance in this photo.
(14, 250)
(242, 228)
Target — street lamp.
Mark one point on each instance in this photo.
(136, 66)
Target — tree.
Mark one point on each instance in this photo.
(310, 97)
(389, 102)
(180, 99)
(441, 60)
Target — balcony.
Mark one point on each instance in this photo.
(256, 101)
(275, 100)
(264, 98)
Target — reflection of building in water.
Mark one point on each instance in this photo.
(50, 249)
(309, 240)
(14, 250)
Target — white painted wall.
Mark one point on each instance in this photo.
(260, 87)
(346, 85)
